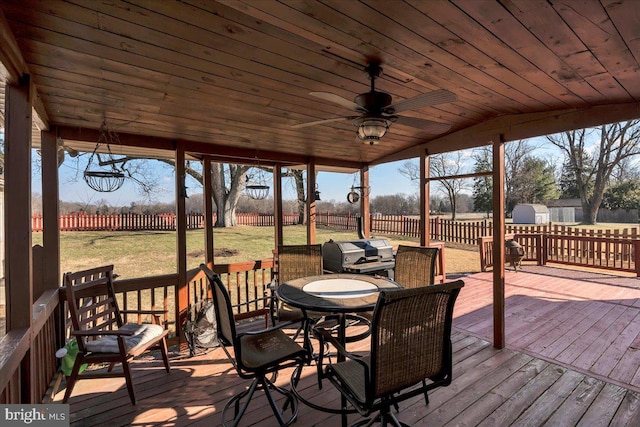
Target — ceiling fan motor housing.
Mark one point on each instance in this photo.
(373, 102)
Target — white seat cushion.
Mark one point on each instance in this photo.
(142, 334)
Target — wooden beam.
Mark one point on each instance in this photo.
(17, 225)
(91, 135)
(461, 176)
(521, 126)
(245, 155)
(425, 234)
(311, 203)
(182, 300)
(365, 202)
(207, 186)
(221, 153)
(17, 202)
(498, 242)
(10, 54)
(50, 211)
(277, 205)
(13, 61)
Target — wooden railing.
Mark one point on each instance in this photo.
(598, 252)
(246, 282)
(620, 254)
(17, 353)
(441, 271)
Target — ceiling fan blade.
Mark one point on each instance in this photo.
(425, 125)
(428, 99)
(337, 99)
(320, 122)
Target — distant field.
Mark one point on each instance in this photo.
(148, 253)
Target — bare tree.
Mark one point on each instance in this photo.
(226, 195)
(228, 181)
(515, 155)
(448, 165)
(593, 155)
(441, 165)
(298, 183)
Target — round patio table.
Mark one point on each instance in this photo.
(333, 294)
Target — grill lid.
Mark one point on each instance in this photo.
(338, 255)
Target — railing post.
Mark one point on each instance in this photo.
(636, 256)
(483, 256)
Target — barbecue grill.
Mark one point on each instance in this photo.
(363, 256)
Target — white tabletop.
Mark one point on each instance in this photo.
(340, 288)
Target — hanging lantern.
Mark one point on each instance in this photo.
(256, 187)
(102, 174)
(353, 196)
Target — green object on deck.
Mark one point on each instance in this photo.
(67, 356)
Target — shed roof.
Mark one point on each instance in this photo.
(531, 206)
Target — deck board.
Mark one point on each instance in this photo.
(569, 360)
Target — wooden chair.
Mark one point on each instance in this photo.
(255, 356)
(415, 266)
(410, 341)
(100, 332)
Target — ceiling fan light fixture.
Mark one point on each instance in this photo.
(371, 129)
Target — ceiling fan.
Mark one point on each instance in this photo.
(377, 112)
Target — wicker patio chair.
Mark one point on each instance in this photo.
(415, 266)
(410, 341)
(293, 262)
(100, 332)
(256, 354)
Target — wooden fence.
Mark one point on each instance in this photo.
(138, 222)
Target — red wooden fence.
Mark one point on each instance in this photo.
(137, 222)
(444, 230)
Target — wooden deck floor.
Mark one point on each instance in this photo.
(571, 359)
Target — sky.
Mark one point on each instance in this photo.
(383, 179)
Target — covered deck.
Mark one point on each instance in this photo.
(234, 82)
(572, 357)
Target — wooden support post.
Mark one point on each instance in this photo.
(182, 294)
(498, 243)
(277, 205)
(425, 230)
(311, 203)
(50, 211)
(17, 223)
(17, 196)
(207, 186)
(636, 250)
(365, 202)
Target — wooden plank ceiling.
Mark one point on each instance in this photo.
(233, 76)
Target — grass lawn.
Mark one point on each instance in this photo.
(148, 253)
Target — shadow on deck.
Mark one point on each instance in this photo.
(571, 359)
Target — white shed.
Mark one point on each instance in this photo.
(530, 214)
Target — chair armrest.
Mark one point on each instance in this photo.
(327, 336)
(154, 313)
(143, 311)
(262, 331)
(101, 333)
